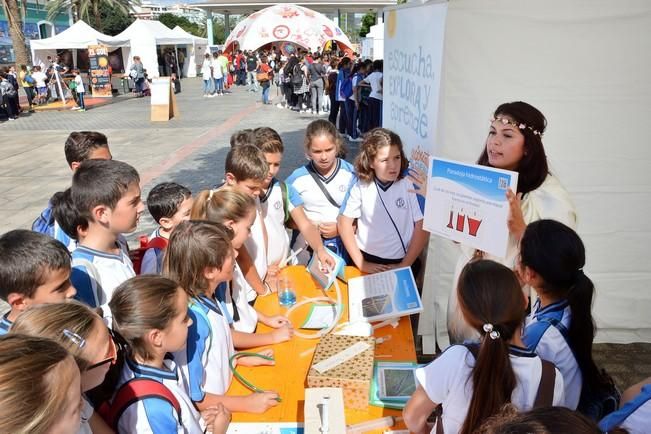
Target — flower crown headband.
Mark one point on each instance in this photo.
(521, 126)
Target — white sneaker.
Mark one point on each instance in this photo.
(303, 106)
(280, 106)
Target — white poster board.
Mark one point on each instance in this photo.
(467, 203)
(160, 91)
(413, 54)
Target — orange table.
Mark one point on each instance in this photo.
(289, 376)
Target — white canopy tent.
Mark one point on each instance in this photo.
(287, 23)
(144, 36)
(78, 36)
(195, 52)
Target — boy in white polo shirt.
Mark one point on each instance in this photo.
(389, 221)
(107, 194)
(282, 205)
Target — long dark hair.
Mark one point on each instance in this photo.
(491, 299)
(557, 254)
(532, 168)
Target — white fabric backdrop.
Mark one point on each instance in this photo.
(586, 65)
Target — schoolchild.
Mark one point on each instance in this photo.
(80, 89)
(107, 195)
(543, 420)
(169, 204)
(473, 387)
(242, 137)
(200, 257)
(151, 314)
(560, 327)
(69, 224)
(79, 146)
(41, 86)
(82, 332)
(39, 387)
(245, 170)
(34, 269)
(237, 211)
(322, 184)
(635, 411)
(281, 204)
(389, 221)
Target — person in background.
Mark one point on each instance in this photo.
(27, 82)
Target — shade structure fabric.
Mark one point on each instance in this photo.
(286, 23)
(145, 35)
(80, 35)
(195, 52)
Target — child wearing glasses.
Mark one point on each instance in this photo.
(82, 332)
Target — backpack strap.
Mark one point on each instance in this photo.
(133, 391)
(324, 190)
(157, 243)
(545, 394)
(283, 191)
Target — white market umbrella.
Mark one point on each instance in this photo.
(287, 23)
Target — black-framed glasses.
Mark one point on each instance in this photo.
(112, 356)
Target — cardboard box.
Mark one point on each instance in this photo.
(354, 376)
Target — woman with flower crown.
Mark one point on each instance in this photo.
(514, 142)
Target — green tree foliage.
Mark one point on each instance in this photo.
(171, 21)
(368, 20)
(88, 10)
(114, 21)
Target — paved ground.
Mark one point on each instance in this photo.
(190, 150)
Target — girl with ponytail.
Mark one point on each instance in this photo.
(472, 382)
(560, 327)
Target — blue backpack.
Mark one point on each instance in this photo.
(616, 418)
(44, 223)
(595, 404)
(347, 86)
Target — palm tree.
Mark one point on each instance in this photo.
(15, 23)
(85, 9)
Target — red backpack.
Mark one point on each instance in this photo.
(136, 256)
(132, 391)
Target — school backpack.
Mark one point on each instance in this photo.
(7, 89)
(347, 86)
(297, 75)
(595, 404)
(157, 243)
(44, 223)
(132, 391)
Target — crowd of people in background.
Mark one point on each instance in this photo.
(342, 86)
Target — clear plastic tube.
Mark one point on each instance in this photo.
(383, 422)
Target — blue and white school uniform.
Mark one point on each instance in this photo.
(448, 381)
(315, 204)
(5, 324)
(386, 215)
(204, 361)
(245, 317)
(152, 260)
(273, 210)
(544, 334)
(95, 274)
(634, 416)
(256, 244)
(156, 415)
(60, 235)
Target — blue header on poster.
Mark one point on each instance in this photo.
(484, 182)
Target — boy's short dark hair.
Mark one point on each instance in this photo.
(101, 182)
(268, 140)
(79, 145)
(66, 213)
(243, 137)
(247, 162)
(25, 257)
(165, 198)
